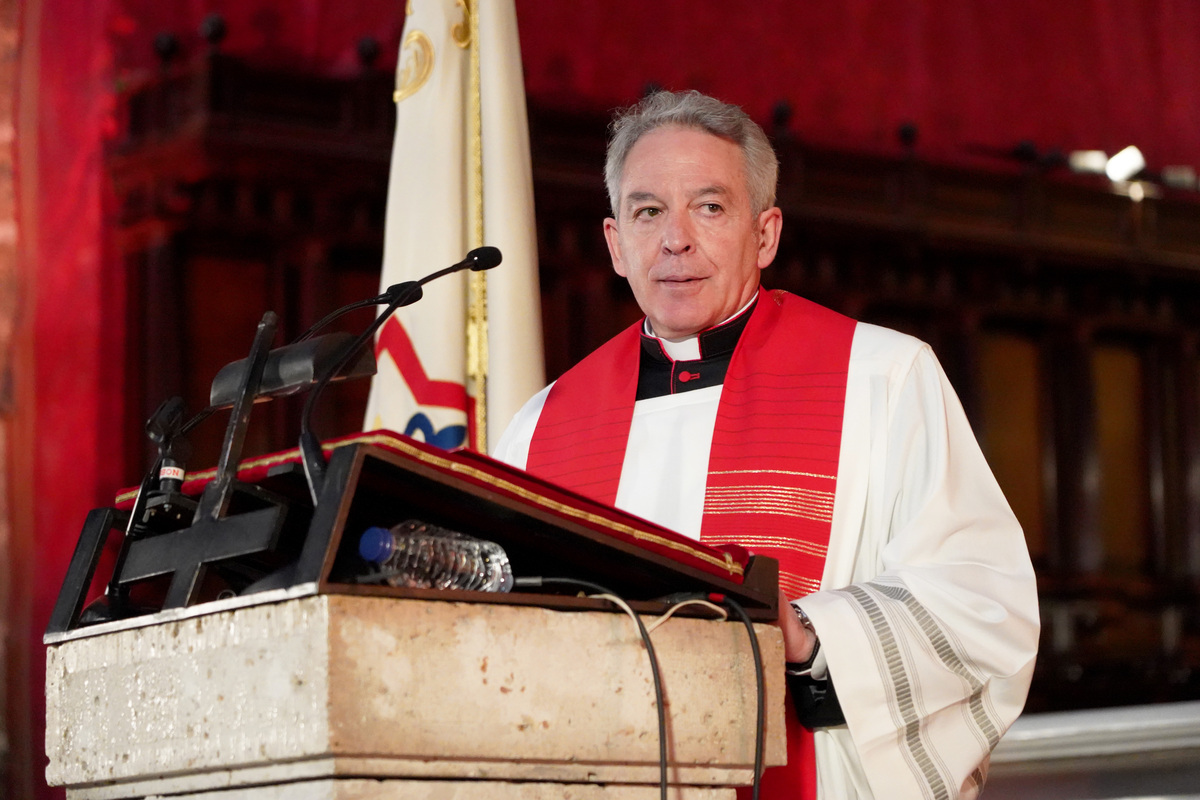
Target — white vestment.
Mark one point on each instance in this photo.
(927, 612)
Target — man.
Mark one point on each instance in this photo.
(736, 414)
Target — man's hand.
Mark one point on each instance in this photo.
(798, 641)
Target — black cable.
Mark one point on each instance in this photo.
(533, 582)
(397, 290)
(139, 502)
(759, 732)
(377, 300)
(405, 294)
(196, 420)
(394, 297)
(311, 455)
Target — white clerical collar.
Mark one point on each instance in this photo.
(688, 348)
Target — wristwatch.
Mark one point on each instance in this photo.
(805, 667)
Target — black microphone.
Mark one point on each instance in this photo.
(485, 257)
(406, 293)
(396, 296)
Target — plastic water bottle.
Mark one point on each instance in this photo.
(419, 555)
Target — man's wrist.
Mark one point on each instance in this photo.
(805, 667)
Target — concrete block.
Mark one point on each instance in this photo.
(352, 789)
(353, 686)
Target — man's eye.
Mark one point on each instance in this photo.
(647, 212)
(713, 208)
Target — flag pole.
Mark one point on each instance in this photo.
(477, 320)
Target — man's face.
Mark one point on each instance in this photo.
(685, 235)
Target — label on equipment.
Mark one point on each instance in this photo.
(170, 474)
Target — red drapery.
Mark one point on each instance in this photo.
(1076, 74)
(69, 278)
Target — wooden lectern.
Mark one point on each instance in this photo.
(296, 680)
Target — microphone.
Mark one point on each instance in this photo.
(482, 258)
(406, 293)
(395, 296)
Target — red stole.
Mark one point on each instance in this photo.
(772, 469)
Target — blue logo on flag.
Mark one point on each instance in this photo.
(448, 437)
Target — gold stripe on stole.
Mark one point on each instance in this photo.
(810, 504)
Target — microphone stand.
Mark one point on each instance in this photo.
(397, 296)
(214, 501)
(151, 551)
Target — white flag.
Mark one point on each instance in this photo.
(460, 178)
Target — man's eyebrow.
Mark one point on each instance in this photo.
(640, 197)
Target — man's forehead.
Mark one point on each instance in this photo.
(701, 161)
(683, 140)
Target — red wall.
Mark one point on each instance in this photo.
(1074, 74)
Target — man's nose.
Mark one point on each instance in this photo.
(678, 235)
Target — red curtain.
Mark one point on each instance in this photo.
(1075, 74)
(76, 317)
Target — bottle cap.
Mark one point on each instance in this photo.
(375, 544)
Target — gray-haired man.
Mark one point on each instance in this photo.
(731, 413)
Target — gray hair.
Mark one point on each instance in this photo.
(692, 109)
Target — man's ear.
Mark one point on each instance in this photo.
(770, 227)
(614, 246)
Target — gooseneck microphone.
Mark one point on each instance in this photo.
(395, 296)
(409, 292)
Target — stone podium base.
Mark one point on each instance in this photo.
(342, 687)
(357, 789)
